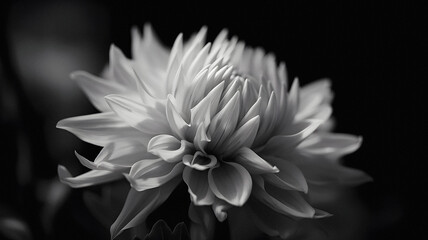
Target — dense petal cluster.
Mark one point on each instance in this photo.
(221, 117)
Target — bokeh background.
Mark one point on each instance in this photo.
(366, 49)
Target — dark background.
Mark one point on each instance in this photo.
(367, 49)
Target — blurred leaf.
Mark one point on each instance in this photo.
(106, 207)
(161, 231)
(52, 194)
(203, 222)
(14, 229)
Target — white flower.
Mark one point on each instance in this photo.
(219, 116)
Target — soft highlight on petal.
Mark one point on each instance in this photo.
(231, 183)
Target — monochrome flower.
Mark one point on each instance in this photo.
(221, 117)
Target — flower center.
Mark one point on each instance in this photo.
(200, 161)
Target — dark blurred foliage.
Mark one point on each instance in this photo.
(367, 49)
(161, 231)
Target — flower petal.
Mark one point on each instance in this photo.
(321, 171)
(207, 107)
(169, 148)
(230, 182)
(145, 118)
(176, 121)
(251, 113)
(151, 173)
(320, 88)
(201, 138)
(148, 46)
(292, 102)
(96, 88)
(268, 122)
(117, 155)
(139, 205)
(100, 128)
(291, 138)
(121, 70)
(253, 163)
(284, 202)
(174, 62)
(271, 222)
(333, 145)
(198, 61)
(224, 122)
(90, 178)
(219, 207)
(199, 190)
(241, 138)
(200, 161)
(289, 176)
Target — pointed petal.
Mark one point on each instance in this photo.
(151, 173)
(122, 72)
(321, 214)
(291, 138)
(315, 99)
(96, 88)
(333, 145)
(194, 48)
(309, 107)
(85, 162)
(252, 112)
(253, 162)
(322, 171)
(271, 222)
(118, 155)
(289, 176)
(320, 87)
(142, 117)
(176, 122)
(224, 122)
(292, 101)
(149, 45)
(284, 202)
(115, 157)
(241, 138)
(90, 178)
(139, 205)
(207, 107)
(198, 61)
(100, 128)
(201, 138)
(230, 182)
(175, 59)
(169, 148)
(199, 190)
(268, 122)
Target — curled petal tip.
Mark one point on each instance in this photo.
(321, 214)
(275, 169)
(60, 124)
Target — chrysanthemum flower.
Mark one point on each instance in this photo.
(219, 116)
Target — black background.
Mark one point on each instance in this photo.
(367, 49)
